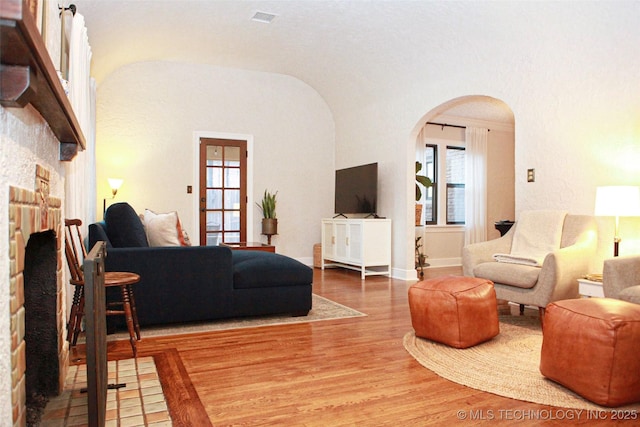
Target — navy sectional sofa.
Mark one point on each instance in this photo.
(198, 283)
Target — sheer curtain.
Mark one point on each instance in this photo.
(475, 185)
(80, 172)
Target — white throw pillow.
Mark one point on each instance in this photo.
(161, 229)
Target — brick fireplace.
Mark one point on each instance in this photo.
(33, 212)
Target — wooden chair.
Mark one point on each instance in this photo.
(75, 252)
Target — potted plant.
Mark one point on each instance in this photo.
(421, 258)
(269, 220)
(426, 182)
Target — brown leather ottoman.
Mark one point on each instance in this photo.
(458, 311)
(591, 346)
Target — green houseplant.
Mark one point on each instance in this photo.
(269, 220)
(426, 182)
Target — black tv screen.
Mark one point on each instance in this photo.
(357, 190)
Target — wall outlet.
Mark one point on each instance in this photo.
(189, 189)
(531, 175)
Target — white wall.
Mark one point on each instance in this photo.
(148, 113)
(568, 73)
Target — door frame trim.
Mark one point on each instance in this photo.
(196, 176)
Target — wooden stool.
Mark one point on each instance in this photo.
(124, 280)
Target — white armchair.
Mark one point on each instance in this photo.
(555, 279)
(621, 278)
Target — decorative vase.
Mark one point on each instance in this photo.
(418, 214)
(269, 227)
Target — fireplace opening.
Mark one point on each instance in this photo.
(42, 374)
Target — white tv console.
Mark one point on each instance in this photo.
(361, 244)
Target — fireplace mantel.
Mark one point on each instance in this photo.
(27, 75)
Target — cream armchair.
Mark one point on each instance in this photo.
(621, 278)
(555, 279)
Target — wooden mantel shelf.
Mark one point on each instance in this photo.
(27, 75)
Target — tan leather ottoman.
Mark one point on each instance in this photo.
(592, 346)
(458, 311)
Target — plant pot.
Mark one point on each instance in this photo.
(269, 226)
(418, 214)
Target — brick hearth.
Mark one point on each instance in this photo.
(32, 211)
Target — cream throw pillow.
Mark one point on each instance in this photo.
(162, 229)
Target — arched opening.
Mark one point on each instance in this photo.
(441, 146)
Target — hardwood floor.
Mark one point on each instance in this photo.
(330, 373)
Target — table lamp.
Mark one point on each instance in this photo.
(617, 201)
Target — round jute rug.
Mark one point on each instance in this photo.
(508, 365)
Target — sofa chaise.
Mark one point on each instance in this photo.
(199, 283)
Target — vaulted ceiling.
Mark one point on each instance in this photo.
(340, 48)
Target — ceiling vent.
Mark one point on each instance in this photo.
(263, 17)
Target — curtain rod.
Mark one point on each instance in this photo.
(451, 126)
(72, 8)
(444, 124)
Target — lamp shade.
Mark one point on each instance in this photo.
(115, 183)
(617, 201)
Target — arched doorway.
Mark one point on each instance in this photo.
(440, 147)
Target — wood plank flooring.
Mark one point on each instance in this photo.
(342, 372)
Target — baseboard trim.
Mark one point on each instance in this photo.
(306, 261)
(406, 275)
(444, 262)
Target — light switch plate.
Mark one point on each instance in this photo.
(531, 175)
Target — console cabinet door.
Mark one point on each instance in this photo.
(354, 242)
(328, 240)
(342, 241)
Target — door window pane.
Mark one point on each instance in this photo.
(232, 199)
(232, 178)
(214, 177)
(231, 221)
(231, 237)
(214, 155)
(213, 239)
(214, 221)
(232, 157)
(214, 199)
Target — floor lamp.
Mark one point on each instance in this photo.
(617, 201)
(115, 184)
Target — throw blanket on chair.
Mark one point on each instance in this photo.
(537, 233)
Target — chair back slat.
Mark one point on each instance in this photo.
(74, 250)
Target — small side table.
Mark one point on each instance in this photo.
(249, 246)
(590, 288)
(503, 226)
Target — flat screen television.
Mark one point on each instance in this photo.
(357, 190)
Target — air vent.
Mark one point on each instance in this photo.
(263, 17)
